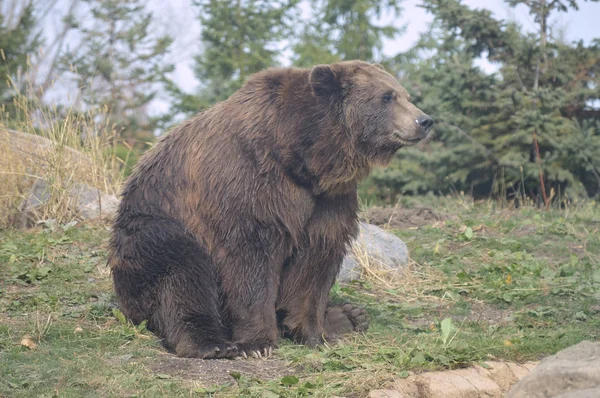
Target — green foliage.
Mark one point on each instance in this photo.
(345, 30)
(545, 93)
(314, 47)
(238, 39)
(18, 41)
(495, 133)
(120, 65)
(540, 9)
(448, 330)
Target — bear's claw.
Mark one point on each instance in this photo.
(260, 350)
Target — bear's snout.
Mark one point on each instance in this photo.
(425, 123)
(412, 136)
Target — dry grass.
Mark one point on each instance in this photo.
(411, 279)
(62, 147)
(373, 269)
(410, 283)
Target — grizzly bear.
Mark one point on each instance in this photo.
(232, 228)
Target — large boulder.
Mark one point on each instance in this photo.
(33, 148)
(82, 202)
(572, 373)
(42, 178)
(375, 248)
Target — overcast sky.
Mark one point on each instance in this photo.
(178, 18)
(582, 24)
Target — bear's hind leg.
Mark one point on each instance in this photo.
(163, 275)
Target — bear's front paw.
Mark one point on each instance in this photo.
(207, 351)
(314, 341)
(255, 350)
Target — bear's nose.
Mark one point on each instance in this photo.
(425, 122)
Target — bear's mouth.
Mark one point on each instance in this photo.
(406, 141)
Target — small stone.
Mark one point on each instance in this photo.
(28, 342)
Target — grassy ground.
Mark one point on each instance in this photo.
(483, 284)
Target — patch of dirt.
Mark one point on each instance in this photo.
(212, 372)
(400, 218)
(524, 230)
(491, 315)
(577, 248)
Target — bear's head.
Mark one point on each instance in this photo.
(375, 109)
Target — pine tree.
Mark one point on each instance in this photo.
(531, 129)
(560, 82)
(18, 41)
(439, 73)
(345, 30)
(314, 46)
(238, 38)
(120, 65)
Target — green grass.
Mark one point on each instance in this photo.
(486, 284)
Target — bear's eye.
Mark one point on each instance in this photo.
(389, 97)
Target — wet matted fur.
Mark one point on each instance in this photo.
(233, 227)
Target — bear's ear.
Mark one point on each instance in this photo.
(323, 80)
(379, 66)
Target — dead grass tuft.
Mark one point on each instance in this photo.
(373, 269)
(62, 147)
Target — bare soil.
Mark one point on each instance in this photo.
(212, 372)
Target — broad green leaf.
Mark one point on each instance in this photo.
(469, 233)
(447, 329)
(289, 380)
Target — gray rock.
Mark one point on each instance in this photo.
(572, 373)
(588, 393)
(34, 148)
(92, 203)
(350, 270)
(85, 202)
(384, 250)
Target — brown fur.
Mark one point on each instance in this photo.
(235, 224)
